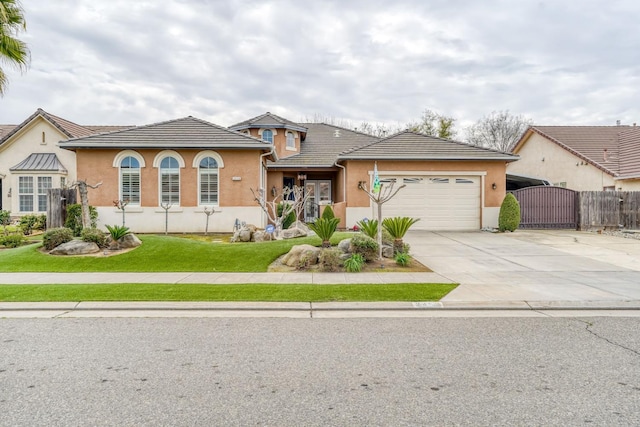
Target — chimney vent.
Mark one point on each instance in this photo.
(617, 122)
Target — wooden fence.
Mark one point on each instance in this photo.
(57, 201)
(611, 209)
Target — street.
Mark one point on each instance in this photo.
(307, 372)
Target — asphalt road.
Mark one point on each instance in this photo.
(306, 372)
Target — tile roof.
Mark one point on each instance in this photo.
(630, 153)
(5, 129)
(70, 129)
(107, 128)
(268, 120)
(188, 132)
(407, 145)
(40, 162)
(322, 146)
(612, 149)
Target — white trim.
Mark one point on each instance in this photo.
(118, 158)
(168, 153)
(207, 153)
(419, 173)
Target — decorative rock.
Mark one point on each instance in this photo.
(297, 252)
(244, 235)
(252, 228)
(291, 233)
(75, 247)
(387, 251)
(129, 241)
(261, 236)
(345, 245)
(300, 226)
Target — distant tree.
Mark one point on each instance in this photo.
(499, 130)
(12, 51)
(379, 130)
(433, 123)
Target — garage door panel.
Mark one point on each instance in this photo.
(440, 202)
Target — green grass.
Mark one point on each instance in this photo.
(161, 254)
(236, 292)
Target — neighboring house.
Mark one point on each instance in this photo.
(31, 161)
(192, 165)
(186, 165)
(582, 158)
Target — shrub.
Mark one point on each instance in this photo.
(402, 258)
(509, 218)
(56, 236)
(365, 246)
(12, 240)
(329, 260)
(397, 228)
(27, 223)
(5, 217)
(117, 231)
(41, 222)
(94, 235)
(354, 263)
(74, 218)
(324, 228)
(290, 219)
(327, 213)
(369, 227)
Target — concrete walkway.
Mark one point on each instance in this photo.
(527, 272)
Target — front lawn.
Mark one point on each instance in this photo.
(236, 292)
(161, 254)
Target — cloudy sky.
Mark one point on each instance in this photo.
(138, 62)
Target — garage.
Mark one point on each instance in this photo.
(442, 202)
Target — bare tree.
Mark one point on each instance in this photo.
(380, 196)
(293, 200)
(500, 130)
(433, 123)
(83, 187)
(377, 129)
(208, 213)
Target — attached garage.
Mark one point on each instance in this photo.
(449, 185)
(442, 202)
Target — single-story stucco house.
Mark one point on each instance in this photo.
(581, 158)
(189, 165)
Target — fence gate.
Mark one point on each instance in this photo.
(57, 201)
(547, 207)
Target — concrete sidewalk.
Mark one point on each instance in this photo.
(526, 272)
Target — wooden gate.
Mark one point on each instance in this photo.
(57, 201)
(547, 207)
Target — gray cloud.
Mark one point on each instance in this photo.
(121, 62)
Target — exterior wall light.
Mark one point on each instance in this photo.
(494, 186)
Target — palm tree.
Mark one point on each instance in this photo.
(12, 51)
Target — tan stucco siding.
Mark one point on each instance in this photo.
(541, 158)
(280, 141)
(240, 173)
(493, 172)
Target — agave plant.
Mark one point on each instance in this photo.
(324, 228)
(397, 228)
(369, 227)
(117, 231)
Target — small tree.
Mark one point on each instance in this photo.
(328, 212)
(208, 213)
(121, 205)
(324, 228)
(509, 218)
(292, 200)
(397, 228)
(83, 189)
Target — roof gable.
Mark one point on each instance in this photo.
(599, 146)
(408, 145)
(268, 120)
(67, 128)
(187, 132)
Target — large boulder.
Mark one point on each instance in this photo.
(75, 247)
(244, 234)
(307, 252)
(345, 245)
(292, 233)
(129, 241)
(387, 251)
(261, 236)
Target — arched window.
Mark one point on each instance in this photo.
(130, 180)
(208, 173)
(291, 141)
(267, 135)
(170, 181)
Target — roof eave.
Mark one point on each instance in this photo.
(493, 158)
(69, 146)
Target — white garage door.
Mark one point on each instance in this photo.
(441, 202)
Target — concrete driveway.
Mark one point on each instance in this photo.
(536, 265)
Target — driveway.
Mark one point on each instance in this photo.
(533, 265)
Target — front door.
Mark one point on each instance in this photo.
(319, 192)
